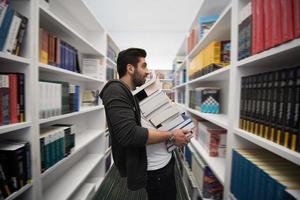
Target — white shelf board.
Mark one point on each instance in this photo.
(180, 86)
(97, 181)
(111, 61)
(14, 127)
(67, 73)
(81, 141)
(58, 27)
(270, 146)
(19, 192)
(218, 75)
(219, 31)
(273, 55)
(294, 193)
(218, 119)
(14, 58)
(69, 182)
(216, 164)
(82, 110)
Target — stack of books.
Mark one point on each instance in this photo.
(158, 109)
(94, 68)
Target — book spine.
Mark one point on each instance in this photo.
(276, 23)
(5, 26)
(13, 98)
(21, 97)
(296, 6)
(20, 36)
(268, 23)
(4, 85)
(287, 24)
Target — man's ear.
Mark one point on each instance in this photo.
(130, 68)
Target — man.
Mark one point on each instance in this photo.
(129, 138)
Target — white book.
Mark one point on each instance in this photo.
(12, 33)
(144, 92)
(40, 100)
(158, 110)
(154, 102)
(173, 122)
(164, 115)
(53, 85)
(58, 97)
(142, 87)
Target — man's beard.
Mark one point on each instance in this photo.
(138, 79)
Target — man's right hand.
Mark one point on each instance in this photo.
(181, 137)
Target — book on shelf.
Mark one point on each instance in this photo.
(244, 30)
(57, 52)
(205, 24)
(94, 68)
(270, 106)
(111, 53)
(12, 98)
(58, 98)
(56, 142)
(205, 99)
(212, 188)
(215, 56)
(258, 171)
(13, 26)
(15, 166)
(90, 98)
(273, 23)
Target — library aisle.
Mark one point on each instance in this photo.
(234, 78)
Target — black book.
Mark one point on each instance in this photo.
(269, 101)
(253, 98)
(13, 157)
(279, 136)
(263, 106)
(274, 107)
(257, 115)
(243, 100)
(5, 187)
(290, 103)
(21, 96)
(295, 120)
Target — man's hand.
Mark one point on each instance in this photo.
(181, 136)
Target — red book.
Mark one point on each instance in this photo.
(13, 97)
(276, 23)
(258, 42)
(254, 22)
(287, 23)
(268, 24)
(296, 18)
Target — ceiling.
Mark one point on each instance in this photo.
(158, 26)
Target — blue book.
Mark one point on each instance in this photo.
(205, 23)
(5, 26)
(62, 64)
(77, 97)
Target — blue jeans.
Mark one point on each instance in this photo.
(161, 183)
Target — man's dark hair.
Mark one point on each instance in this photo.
(129, 56)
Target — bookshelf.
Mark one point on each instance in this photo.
(229, 80)
(86, 162)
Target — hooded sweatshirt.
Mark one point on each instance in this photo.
(128, 138)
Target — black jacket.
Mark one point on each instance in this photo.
(127, 136)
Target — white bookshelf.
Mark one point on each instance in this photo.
(67, 184)
(229, 80)
(91, 39)
(216, 164)
(67, 73)
(82, 110)
(14, 127)
(19, 192)
(14, 58)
